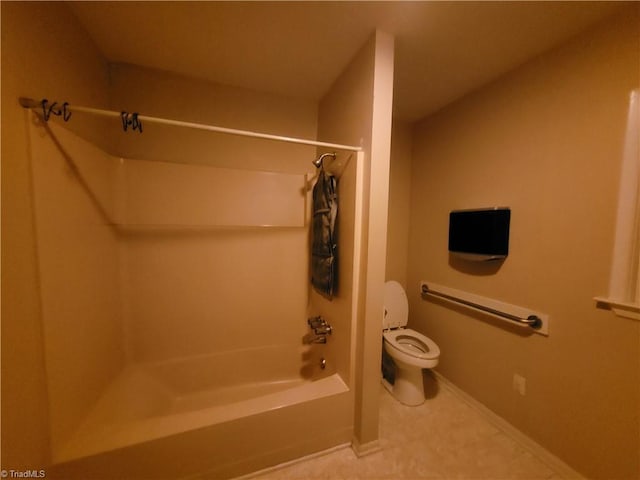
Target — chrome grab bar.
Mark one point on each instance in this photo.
(532, 321)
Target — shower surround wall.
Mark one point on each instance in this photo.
(78, 251)
(184, 258)
(166, 399)
(186, 291)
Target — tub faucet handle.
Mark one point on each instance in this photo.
(310, 338)
(316, 322)
(323, 329)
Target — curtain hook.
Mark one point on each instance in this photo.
(130, 119)
(48, 110)
(66, 113)
(44, 109)
(125, 120)
(135, 123)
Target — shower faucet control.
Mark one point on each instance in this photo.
(323, 330)
(320, 329)
(312, 338)
(315, 322)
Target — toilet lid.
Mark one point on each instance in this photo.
(396, 306)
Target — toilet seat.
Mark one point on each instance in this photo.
(412, 343)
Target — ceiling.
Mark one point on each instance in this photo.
(443, 49)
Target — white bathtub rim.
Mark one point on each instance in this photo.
(115, 436)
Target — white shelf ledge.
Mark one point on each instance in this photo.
(622, 309)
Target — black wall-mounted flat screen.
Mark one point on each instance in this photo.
(481, 234)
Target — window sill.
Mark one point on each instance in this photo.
(622, 309)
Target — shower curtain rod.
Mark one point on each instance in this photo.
(32, 104)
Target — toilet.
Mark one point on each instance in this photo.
(410, 350)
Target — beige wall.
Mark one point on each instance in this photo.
(545, 140)
(32, 65)
(399, 203)
(357, 111)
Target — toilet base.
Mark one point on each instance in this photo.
(408, 387)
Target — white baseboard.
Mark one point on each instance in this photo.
(358, 450)
(292, 462)
(362, 450)
(553, 462)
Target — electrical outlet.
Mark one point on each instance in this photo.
(519, 384)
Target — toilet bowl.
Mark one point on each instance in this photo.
(410, 350)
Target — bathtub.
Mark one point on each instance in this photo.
(210, 416)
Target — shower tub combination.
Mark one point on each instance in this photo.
(235, 409)
(205, 415)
